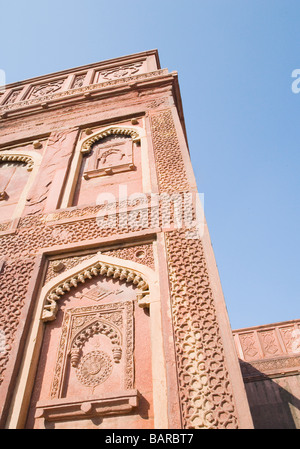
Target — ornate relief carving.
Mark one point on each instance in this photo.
(81, 90)
(269, 367)
(249, 346)
(119, 72)
(170, 166)
(115, 322)
(5, 226)
(22, 246)
(97, 327)
(78, 81)
(205, 390)
(45, 89)
(269, 343)
(94, 368)
(140, 253)
(64, 264)
(103, 269)
(157, 102)
(14, 278)
(287, 336)
(12, 97)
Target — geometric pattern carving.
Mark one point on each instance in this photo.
(14, 278)
(205, 391)
(249, 345)
(170, 166)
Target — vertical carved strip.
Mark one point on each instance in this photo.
(205, 390)
(14, 280)
(170, 166)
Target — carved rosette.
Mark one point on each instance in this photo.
(94, 368)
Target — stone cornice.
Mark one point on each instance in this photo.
(102, 65)
(84, 92)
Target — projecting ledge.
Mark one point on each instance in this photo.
(119, 403)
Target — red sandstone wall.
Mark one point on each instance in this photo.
(167, 359)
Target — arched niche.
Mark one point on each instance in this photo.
(105, 159)
(78, 328)
(17, 171)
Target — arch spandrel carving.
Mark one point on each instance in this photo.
(29, 157)
(130, 272)
(13, 157)
(135, 134)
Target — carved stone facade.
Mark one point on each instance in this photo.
(112, 316)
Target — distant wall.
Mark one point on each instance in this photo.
(270, 364)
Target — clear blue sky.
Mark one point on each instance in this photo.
(234, 59)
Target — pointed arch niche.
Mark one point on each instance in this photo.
(105, 158)
(86, 357)
(17, 172)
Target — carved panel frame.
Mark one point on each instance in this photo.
(137, 134)
(33, 160)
